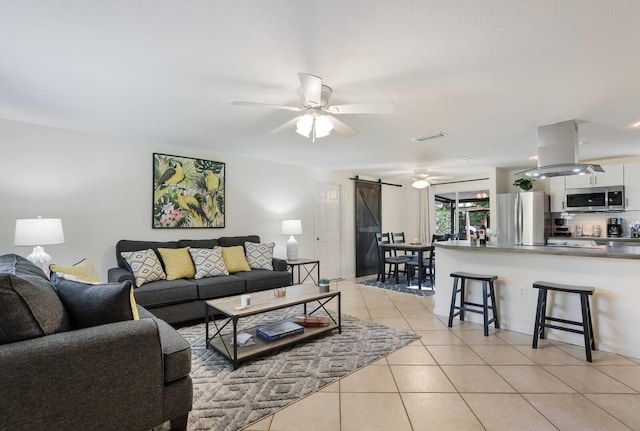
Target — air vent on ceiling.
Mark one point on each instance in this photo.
(461, 158)
(429, 136)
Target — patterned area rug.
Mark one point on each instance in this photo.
(390, 284)
(228, 400)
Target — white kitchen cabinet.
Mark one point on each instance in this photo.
(613, 175)
(632, 186)
(556, 192)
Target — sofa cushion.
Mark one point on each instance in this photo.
(96, 304)
(82, 271)
(166, 292)
(144, 265)
(129, 245)
(259, 256)
(208, 262)
(29, 305)
(230, 241)
(235, 259)
(14, 264)
(262, 279)
(177, 263)
(217, 287)
(198, 243)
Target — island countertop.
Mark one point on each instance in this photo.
(607, 251)
(611, 269)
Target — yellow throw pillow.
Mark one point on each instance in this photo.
(234, 259)
(177, 263)
(82, 271)
(134, 307)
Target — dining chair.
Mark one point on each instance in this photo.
(428, 267)
(385, 258)
(442, 237)
(398, 238)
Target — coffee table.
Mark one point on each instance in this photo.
(263, 302)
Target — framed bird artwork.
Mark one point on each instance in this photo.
(187, 192)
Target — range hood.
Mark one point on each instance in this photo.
(558, 152)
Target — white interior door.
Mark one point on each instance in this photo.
(328, 229)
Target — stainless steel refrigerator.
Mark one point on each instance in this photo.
(523, 218)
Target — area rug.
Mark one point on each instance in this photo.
(390, 284)
(227, 400)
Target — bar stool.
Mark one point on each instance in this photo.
(542, 318)
(487, 291)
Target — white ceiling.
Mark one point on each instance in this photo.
(487, 73)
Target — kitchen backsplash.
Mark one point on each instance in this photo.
(589, 220)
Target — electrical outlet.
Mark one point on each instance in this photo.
(523, 291)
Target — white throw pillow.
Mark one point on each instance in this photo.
(259, 256)
(208, 262)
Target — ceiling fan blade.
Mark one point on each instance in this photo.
(266, 105)
(291, 124)
(342, 128)
(311, 88)
(363, 108)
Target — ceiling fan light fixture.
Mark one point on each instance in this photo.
(314, 126)
(304, 125)
(324, 126)
(420, 183)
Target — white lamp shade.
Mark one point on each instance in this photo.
(304, 125)
(291, 227)
(319, 126)
(324, 126)
(38, 231)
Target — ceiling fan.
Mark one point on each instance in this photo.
(421, 179)
(317, 121)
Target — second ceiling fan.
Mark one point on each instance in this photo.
(317, 121)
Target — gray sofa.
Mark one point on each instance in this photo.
(183, 300)
(72, 358)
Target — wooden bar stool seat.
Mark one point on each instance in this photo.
(488, 291)
(542, 318)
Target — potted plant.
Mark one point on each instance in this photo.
(324, 285)
(525, 184)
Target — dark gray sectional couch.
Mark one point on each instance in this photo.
(183, 299)
(73, 357)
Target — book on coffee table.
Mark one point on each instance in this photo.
(312, 321)
(277, 330)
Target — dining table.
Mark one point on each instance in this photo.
(414, 248)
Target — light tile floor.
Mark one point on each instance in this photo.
(457, 379)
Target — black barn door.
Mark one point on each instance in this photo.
(368, 222)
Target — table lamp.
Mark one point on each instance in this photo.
(38, 232)
(292, 227)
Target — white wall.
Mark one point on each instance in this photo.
(394, 209)
(101, 187)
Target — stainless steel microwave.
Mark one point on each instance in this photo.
(595, 199)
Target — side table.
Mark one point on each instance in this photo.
(308, 265)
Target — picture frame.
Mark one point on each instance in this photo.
(187, 192)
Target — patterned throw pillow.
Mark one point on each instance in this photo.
(234, 259)
(145, 266)
(259, 256)
(208, 262)
(177, 263)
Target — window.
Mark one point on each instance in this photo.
(461, 212)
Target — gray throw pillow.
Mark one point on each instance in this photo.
(29, 306)
(96, 304)
(259, 256)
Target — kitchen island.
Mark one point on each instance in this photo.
(612, 270)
